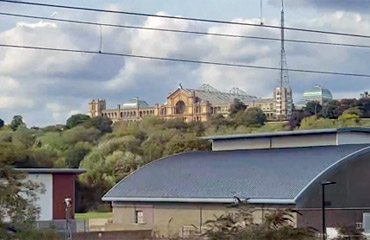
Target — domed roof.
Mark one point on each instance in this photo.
(318, 93)
(132, 103)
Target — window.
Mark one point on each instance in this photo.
(180, 107)
(139, 217)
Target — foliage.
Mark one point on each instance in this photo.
(17, 209)
(111, 152)
(16, 122)
(314, 122)
(252, 117)
(365, 94)
(76, 120)
(350, 232)
(296, 118)
(1, 123)
(313, 107)
(236, 106)
(240, 225)
(101, 123)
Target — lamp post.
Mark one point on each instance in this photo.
(323, 184)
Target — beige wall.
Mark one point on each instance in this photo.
(275, 142)
(170, 219)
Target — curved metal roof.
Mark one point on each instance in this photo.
(262, 176)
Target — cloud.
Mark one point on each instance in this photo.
(335, 5)
(47, 87)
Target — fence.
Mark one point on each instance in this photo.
(77, 225)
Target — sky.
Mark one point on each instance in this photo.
(48, 87)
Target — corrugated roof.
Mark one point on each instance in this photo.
(273, 175)
(219, 98)
(289, 133)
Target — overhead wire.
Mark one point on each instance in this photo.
(182, 60)
(185, 18)
(180, 31)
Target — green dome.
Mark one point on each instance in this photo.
(318, 94)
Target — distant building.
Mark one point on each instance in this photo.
(318, 94)
(178, 194)
(283, 98)
(192, 105)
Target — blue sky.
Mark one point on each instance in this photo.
(46, 87)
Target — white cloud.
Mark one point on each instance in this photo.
(47, 87)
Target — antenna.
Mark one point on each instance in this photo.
(284, 76)
(101, 39)
(261, 11)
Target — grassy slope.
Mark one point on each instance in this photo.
(91, 215)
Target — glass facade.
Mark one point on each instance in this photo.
(318, 94)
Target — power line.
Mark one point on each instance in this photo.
(182, 60)
(185, 18)
(182, 31)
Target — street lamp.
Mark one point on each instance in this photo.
(323, 184)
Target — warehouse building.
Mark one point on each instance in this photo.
(269, 171)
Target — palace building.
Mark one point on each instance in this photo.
(187, 104)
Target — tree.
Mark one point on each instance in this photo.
(75, 154)
(350, 232)
(296, 118)
(330, 110)
(16, 122)
(365, 94)
(186, 143)
(102, 123)
(253, 117)
(17, 200)
(239, 224)
(1, 123)
(364, 106)
(313, 107)
(314, 122)
(76, 120)
(236, 106)
(350, 118)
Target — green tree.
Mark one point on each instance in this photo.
(314, 122)
(236, 106)
(16, 122)
(1, 123)
(330, 109)
(186, 143)
(81, 134)
(104, 124)
(313, 108)
(296, 118)
(350, 118)
(253, 117)
(17, 200)
(365, 94)
(75, 154)
(76, 120)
